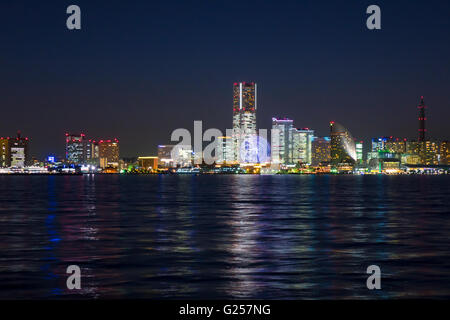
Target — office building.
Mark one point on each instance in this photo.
(76, 148)
(343, 149)
(321, 148)
(244, 120)
(301, 145)
(226, 154)
(282, 141)
(422, 119)
(5, 158)
(444, 153)
(359, 152)
(148, 163)
(18, 152)
(108, 152)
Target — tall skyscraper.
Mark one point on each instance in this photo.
(4, 152)
(301, 145)
(444, 153)
(359, 152)
(244, 119)
(76, 148)
(320, 151)
(343, 149)
(226, 155)
(18, 151)
(108, 151)
(282, 141)
(422, 119)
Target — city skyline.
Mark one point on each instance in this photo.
(156, 70)
(246, 119)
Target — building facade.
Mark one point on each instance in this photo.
(108, 152)
(321, 148)
(244, 119)
(302, 145)
(343, 149)
(76, 148)
(282, 141)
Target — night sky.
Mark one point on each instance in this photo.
(140, 69)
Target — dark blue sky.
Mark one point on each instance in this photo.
(140, 69)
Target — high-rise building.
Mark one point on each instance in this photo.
(320, 151)
(172, 156)
(359, 152)
(92, 152)
(76, 148)
(444, 153)
(18, 152)
(422, 119)
(395, 145)
(165, 155)
(244, 119)
(282, 141)
(108, 151)
(343, 149)
(429, 152)
(301, 145)
(226, 154)
(5, 158)
(378, 143)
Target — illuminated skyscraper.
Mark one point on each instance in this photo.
(5, 159)
(108, 151)
(422, 120)
(396, 145)
(429, 152)
(343, 149)
(244, 118)
(444, 153)
(76, 148)
(226, 154)
(320, 151)
(282, 141)
(359, 152)
(18, 151)
(301, 145)
(378, 143)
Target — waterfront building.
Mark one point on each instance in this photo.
(343, 149)
(412, 147)
(18, 152)
(410, 159)
(108, 151)
(301, 145)
(422, 119)
(244, 119)
(320, 151)
(359, 152)
(381, 160)
(165, 156)
(76, 148)
(429, 152)
(444, 153)
(282, 141)
(5, 159)
(378, 143)
(226, 152)
(148, 163)
(172, 156)
(92, 152)
(395, 145)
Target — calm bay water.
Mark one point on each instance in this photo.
(237, 236)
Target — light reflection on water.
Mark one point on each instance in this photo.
(236, 236)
